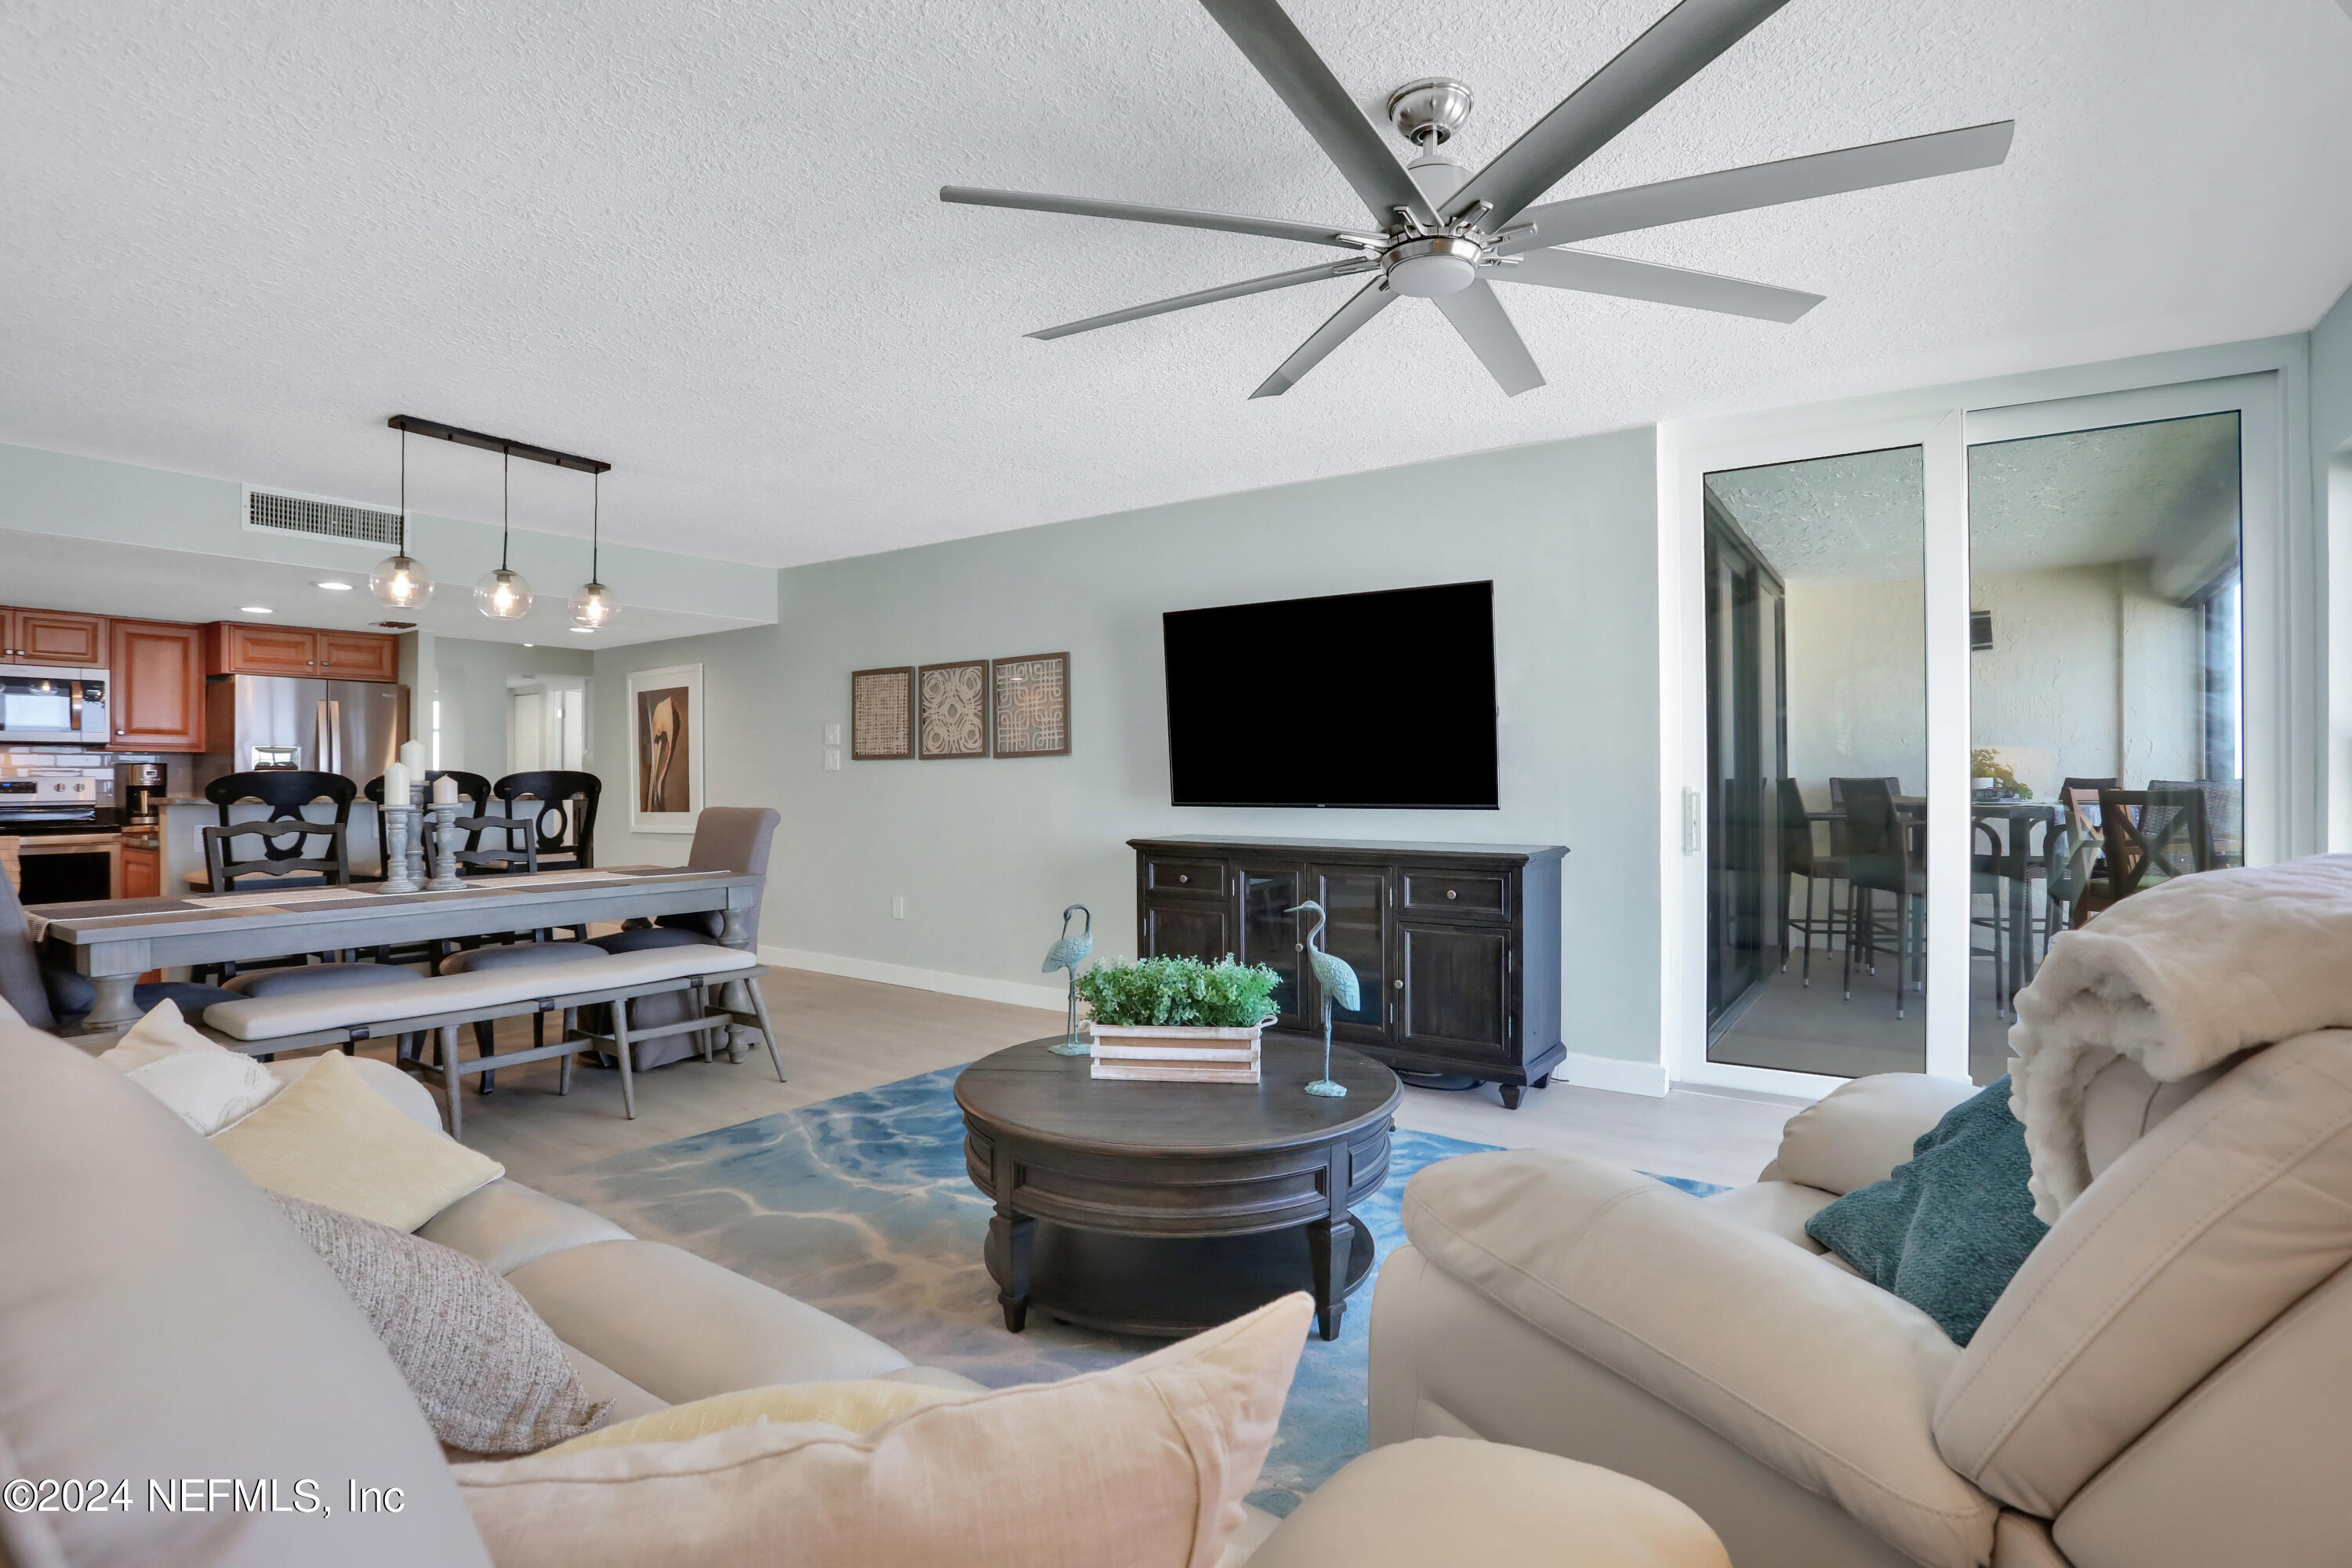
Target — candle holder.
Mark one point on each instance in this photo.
(416, 803)
(445, 878)
(399, 825)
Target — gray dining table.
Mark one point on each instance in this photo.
(117, 941)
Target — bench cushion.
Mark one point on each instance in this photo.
(487, 991)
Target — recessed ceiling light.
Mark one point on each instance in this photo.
(530, 645)
(333, 588)
(255, 610)
(583, 631)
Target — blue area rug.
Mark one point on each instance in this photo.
(860, 1206)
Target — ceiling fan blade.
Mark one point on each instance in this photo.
(1368, 301)
(1678, 45)
(1478, 315)
(1591, 274)
(1210, 296)
(1179, 218)
(1765, 184)
(1282, 55)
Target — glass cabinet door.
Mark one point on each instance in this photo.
(1270, 934)
(1355, 898)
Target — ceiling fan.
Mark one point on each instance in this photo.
(1439, 231)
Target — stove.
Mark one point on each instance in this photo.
(39, 802)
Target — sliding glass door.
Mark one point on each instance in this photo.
(2107, 684)
(1959, 679)
(1818, 758)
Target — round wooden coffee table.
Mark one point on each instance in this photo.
(1165, 1209)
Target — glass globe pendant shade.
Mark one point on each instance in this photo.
(503, 595)
(594, 608)
(400, 582)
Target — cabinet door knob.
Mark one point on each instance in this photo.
(1451, 895)
(1298, 947)
(1399, 984)
(1181, 879)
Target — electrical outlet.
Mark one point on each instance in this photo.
(833, 734)
(833, 759)
(898, 908)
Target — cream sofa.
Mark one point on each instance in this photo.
(2168, 1380)
(160, 1324)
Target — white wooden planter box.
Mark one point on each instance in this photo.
(1146, 1053)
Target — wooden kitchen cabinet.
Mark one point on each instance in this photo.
(52, 637)
(232, 647)
(358, 656)
(239, 647)
(142, 871)
(157, 701)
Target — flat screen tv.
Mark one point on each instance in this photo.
(1357, 700)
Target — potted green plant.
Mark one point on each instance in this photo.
(1179, 1019)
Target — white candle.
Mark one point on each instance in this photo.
(411, 754)
(444, 790)
(396, 784)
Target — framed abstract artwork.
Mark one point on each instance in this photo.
(951, 712)
(665, 749)
(882, 714)
(1032, 705)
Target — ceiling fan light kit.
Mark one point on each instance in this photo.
(1440, 232)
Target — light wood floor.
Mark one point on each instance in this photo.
(841, 1035)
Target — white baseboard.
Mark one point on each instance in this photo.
(1053, 999)
(1613, 1073)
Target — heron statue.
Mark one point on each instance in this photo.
(1337, 984)
(1068, 952)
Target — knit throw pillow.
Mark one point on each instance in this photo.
(489, 1374)
(1949, 1229)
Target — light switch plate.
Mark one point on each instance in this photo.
(833, 759)
(833, 734)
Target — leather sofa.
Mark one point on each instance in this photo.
(2167, 1379)
(160, 1324)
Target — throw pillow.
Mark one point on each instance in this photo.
(205, 1084)
(490, 1377)
(330, 1138)
(858, 1406)
(1949, 1228)
(1141, 1464)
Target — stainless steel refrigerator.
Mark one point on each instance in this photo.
(348, 727)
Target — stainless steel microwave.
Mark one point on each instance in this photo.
(42, 706)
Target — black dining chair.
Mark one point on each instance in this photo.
(1840, 850)
(1879, 860)
(285, 837)
(1799, 857)
(284, 858)
(548, 824)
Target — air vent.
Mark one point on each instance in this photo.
(282, 513)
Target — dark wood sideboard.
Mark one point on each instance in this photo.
(1456, 946)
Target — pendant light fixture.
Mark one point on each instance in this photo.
(594, 608)
(398, 581)
(503, 595)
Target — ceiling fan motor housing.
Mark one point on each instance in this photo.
(1427, 268)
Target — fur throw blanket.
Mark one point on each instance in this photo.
(2178, 978)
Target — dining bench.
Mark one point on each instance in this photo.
(263, 1026)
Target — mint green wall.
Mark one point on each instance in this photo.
(2331, 456)
(986, 853)
(471, 681)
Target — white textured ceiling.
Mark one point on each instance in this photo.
(2084, 497)
(702, 241)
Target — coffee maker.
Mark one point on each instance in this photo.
(139, 789)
